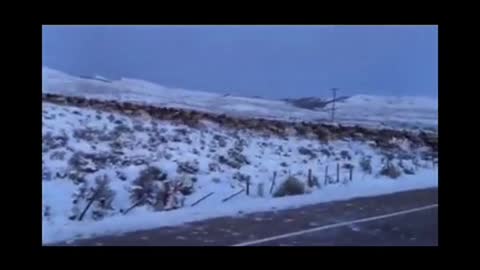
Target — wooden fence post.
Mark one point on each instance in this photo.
(260, 190)
(273, 182)
(351, 173)
(310, 182)
(326, 176)
(338, 173)
(248, 187)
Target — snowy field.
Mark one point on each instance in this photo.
(372, 111)
(82, 147)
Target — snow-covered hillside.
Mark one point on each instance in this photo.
(112, 167)
(85, 149)
(372, 111)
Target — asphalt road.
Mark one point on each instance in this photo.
(400, 219)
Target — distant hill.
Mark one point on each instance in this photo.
(368, 110)
(313, 103)
(98, 78)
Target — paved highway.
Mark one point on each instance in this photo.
(400, 219)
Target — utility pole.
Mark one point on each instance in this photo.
(334, 90)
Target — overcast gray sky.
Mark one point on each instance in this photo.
(269, 61)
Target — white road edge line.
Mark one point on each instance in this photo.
(321, 228)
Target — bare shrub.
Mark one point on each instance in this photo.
(46, 212)
(344, 154)
(147, 191)
(104, 198)
(406, 168)
(58, 155)
(366, 164)
(305, 151)
(390, 170)
(291, 186)
(100, 196)
(191, 167)
(50, 141)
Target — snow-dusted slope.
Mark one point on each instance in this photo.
(404, 102)
(404, 112)
(391, 111)
(81, 145)
(84, 147)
